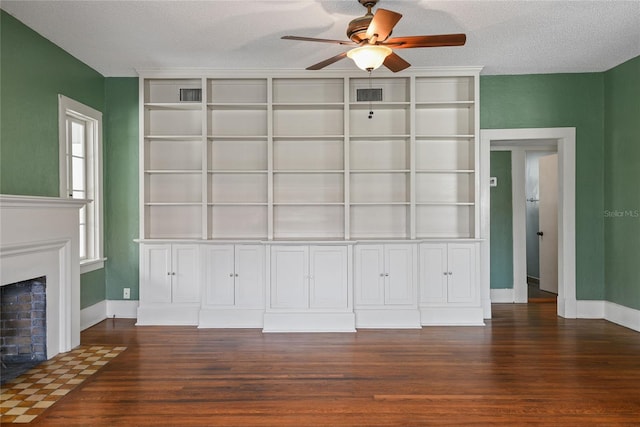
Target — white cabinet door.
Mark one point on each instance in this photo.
(433, 273)
(289, 277)
(399, 283)
(219, 271)
(328, 286)
(384, 275)
(447, 273)
(185, 274)
(370, 275)
(249, 276)
(461, 269)
(170, 274)
(156, 274)
(234, 275)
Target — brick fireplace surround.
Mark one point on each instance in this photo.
(39, 238)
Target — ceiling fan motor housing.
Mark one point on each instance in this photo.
(357, 29)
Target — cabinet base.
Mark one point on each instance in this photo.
(309, 322)
(167, 315)
(231, 318)
(451, 316)
(388, 318)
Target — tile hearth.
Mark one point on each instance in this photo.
(29, 395)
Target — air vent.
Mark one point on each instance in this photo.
(190, 95)
(368, 95)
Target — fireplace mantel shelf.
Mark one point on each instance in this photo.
(18, 201)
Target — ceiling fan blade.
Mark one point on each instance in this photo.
(426, 41)
(326, 62)
(395, 63)
(382, 24)
(311, 39)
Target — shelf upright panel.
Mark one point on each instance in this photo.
(270, 216)
(205, 166)
(142, 233)
(476, 146)
(412, 158)
(347, 160)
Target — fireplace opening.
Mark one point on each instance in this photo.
(23, 327)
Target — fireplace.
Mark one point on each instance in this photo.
(40, 239)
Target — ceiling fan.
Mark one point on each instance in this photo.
(371, 34)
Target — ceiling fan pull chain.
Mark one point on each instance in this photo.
(370, 104)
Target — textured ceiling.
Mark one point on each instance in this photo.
(506, 37)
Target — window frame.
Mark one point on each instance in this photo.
(74, 110)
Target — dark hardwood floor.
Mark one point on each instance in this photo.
(527, 366)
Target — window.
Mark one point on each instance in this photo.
(80, 133)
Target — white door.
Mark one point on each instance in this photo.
(369, 277)
(290, 277)
(328, 277)
(399, 275)
(185, 277)
(157, 269)
(249, 276)
(548, 223)
(433, 273)
(461, 271)
(219, 275)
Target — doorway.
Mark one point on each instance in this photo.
(519, 140)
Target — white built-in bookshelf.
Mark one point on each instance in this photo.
(296, 156)
(288, 202)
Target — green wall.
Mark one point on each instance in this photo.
(33, 71)
(622, 177)
(562, 100)
(121, 186)
(501, 222)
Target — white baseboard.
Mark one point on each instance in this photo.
(451, 316)
(122, 309)
(590, 309)
(623, 316)
(168, 315)
(388, 318)
(502, 295)
(105, 309)
(93, 315)
(309, 322)
(231, 318)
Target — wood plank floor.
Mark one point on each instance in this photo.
(527, 366)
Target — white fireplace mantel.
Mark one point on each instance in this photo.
(39, 236)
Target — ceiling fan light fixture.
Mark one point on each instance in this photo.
(369, 57)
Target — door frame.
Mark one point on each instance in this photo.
(566, 141)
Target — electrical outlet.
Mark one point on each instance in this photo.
(126, 293)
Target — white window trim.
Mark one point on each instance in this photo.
(67, 106)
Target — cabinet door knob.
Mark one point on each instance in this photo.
(236, 274)
(381, 274)
(230, 274)
(386, 274)
(450, 273)
(168, 273)
(445, 273)
(173, 273)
